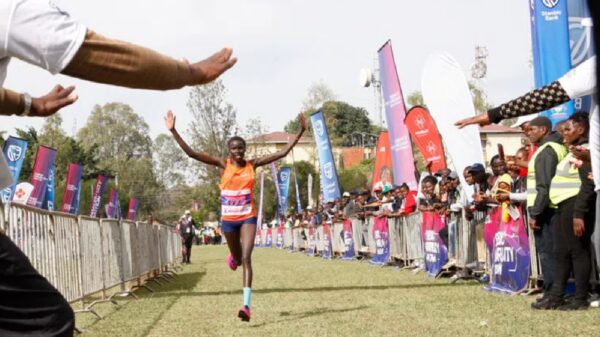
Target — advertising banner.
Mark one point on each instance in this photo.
(283, 184)
(436, 250)
(72, 189)
(14, 150)
(348, 240)
(448, 98)
(330, 185)
(326, 242)
(134, 205)
(508, 248)
(551, 48)
(101, 182)
(426, 136)
(382, 241)
(395, 112)
(382, 174)
(44, 164)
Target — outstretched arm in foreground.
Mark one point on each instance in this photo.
(200, 156)
(283, 152)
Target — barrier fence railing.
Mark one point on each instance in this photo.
(84, 256)
(465, 242)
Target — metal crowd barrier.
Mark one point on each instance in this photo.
(82, 256)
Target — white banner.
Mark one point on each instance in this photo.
(447, 95)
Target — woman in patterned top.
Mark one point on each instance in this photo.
(238, 213)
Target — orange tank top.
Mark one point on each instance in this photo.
(237, 185)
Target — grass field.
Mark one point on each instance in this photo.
(294, 295)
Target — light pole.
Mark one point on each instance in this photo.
(370, 77)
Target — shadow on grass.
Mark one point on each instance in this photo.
(290, 316)
(182, 282)
(320, 289)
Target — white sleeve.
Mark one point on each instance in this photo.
(41, 34)
(581, 80)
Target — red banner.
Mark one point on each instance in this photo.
(382, 174)
(425, 134)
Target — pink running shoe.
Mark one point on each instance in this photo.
(244, 314)
(231, 262)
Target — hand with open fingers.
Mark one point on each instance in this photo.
(170, 121)
(209, 69)
(578, 227)
(58, 98)
(482, 120)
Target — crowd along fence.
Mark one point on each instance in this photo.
(468, 256)
(87, 258)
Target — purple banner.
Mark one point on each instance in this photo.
(73, 189)
(44, 163)
(134, 205)
(395, 112)
(327, 242)
(112, 210)
(101, 182)
(348, 241)
(508, 248)
(382, 241)
(436, 252)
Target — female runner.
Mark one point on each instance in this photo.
(238, 213)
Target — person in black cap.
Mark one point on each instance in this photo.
(480, 183)
(542, 167)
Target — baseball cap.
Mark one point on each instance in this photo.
(453, 175)
(477, 168)
(346, 194)
(187, 211)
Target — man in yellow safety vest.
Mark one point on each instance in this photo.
(573, 193)
(542, 168)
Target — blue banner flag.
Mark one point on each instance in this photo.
(329, 179)
(49, 203)
(382, 241)
(551, 49)
(101, 182)
(14, 152)
(283, 184)
(582, 43)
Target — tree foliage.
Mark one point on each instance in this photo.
(170, 162)
(214, 122)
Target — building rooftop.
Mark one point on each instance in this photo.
(498, 128)
(278, 137)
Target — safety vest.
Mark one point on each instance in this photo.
(561, 152)
(566, 183)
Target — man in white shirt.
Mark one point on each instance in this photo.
(38, 32)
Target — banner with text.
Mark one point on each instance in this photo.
(14, 150)
(551, 48)
(99, 187)
(436, 251)
(382, 174)
(71, 197)
(348, 240)
(40, 178)
(508, 248)
(395, 112)
(425, 134)
(134, 206)
(382, 241)
(330, 185)
(283, 184)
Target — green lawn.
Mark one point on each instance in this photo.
(295, 295)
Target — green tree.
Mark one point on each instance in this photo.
(414, 99)
(170, 162)
(31, 136)
(123, 149)
(214, 122)
(353, 178)
(317, 94)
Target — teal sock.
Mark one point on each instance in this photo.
(247, 292)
